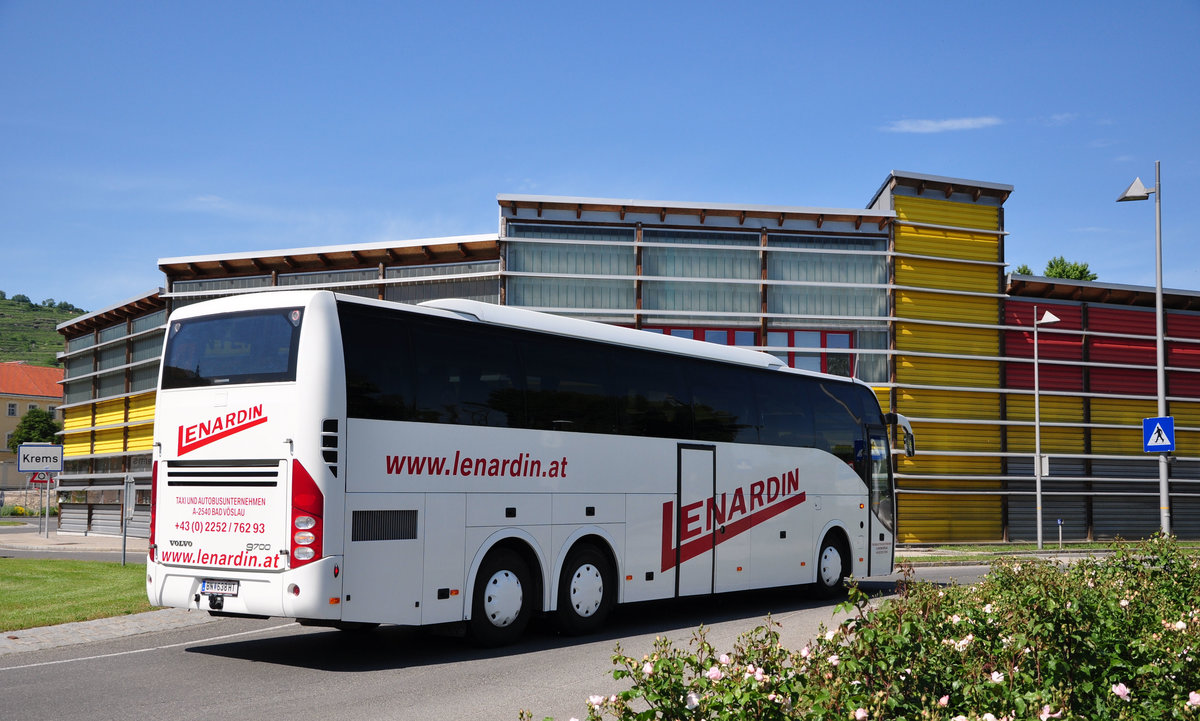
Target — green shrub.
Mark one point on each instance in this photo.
(1104, 638)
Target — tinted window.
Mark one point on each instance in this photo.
(465, 374)
(377, 353)
(567, 385)
(253, 347)
(785, 405)
(723, 407)
(653, 398)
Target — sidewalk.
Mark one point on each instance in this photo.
(29, 539)
(68, 634)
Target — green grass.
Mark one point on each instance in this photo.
(11, 523)
(38, 592)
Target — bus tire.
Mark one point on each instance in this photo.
(503, 599)
(833, 566)
(587, 591)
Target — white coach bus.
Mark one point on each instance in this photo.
(345, 462)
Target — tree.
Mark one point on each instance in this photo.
(3, 295)
(1060, 267)
(22, 298)
(36, 426)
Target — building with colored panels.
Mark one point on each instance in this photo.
(110, 360)
(909, 294)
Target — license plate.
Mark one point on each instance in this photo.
(212, 587)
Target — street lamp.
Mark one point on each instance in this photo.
(1137, 191)
(1046, 319)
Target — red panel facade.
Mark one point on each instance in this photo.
(1052, 346)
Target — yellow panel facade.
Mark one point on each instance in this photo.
(1186, 414)
(927, 518)
(110, 412)
(934, 211)
(77, 417)
(947, 339)
(922, 403)
(141, 437)
(954, 437)
(111, 440)
(77, 444)
(1122, 411)
(913, 370)
(947, 307)
(947, 275)
(141, 408)
(1116, 441)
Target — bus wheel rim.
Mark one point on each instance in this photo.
(587, 590)
(503, 598)
(831, 566)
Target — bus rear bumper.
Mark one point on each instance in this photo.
(311, 591)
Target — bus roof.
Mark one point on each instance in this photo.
(520, 318)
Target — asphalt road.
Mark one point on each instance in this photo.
(236, 669)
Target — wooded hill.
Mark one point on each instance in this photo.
(27, 330)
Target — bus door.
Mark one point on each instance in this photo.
(694, 536)
(883, 502)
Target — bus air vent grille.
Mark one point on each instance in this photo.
(383, 526)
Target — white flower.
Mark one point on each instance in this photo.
(955, 619)
(1193, 699)
(997, 677)
(596, 701)
(715, 674)
(1180, 625)
(1124, 603)
(725, 660)
(1045, 714)
(805, 651)
(987, 608)
(648, 668)
(861, 714)
(692, 700)
(1121, 690)
(830, 634)
(834, 659)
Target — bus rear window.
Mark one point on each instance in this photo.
(252, 347)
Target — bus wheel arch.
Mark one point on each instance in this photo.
(506, 593)
(587, 586)
(833, 562)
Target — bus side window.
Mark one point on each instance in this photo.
(567, 386)
(465, 375)
(378, 374)
(722, 404)
(786, 407)
(653, 397)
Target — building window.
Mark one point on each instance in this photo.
(721, 336)
(12, 409)
(32, 407)
(809, 349)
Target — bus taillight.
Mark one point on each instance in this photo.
(153, 504)
(308, 507)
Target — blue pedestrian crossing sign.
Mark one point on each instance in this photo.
(1158, 434)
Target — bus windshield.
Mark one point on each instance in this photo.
(253, 347)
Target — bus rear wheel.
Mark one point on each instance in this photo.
(587, 591)
(502, 602)
(833, 566)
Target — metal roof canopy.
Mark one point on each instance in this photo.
(1034, 286)
(135, 307)
(923, 182)
(662, 208)
(425, 251)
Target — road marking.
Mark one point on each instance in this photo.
(153, 648)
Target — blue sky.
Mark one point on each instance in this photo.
(133, 131)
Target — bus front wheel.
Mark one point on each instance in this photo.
(586, 591)
(503, 599)
(833, 566)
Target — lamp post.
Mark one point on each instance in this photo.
(1046, 319)
(1137, 191)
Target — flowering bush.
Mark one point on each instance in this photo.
(1103, 638)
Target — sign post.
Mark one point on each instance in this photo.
(41, 459)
